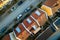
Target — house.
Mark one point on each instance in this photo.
(31, 25)
(9, 36)
(51, 6)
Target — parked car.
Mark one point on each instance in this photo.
(27, 9)
(13, 8)
(19, 16)
(20, 2)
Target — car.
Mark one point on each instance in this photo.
(27, 9)
(13, 8)
(19, 16)
(20, 2)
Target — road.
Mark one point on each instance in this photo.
(10, 18)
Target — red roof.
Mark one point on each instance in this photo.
(41, 18)
(21, 28)
(38, 17)
(28, 24)
(6, 37)
(50, 3)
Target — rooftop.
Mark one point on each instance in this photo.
(50, 3)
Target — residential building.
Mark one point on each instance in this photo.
(31, 25)
(9, 36)
(51, 6)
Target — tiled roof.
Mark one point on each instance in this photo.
(6, 37)
(21, 28)
(31, 22)
(28, 24)
(50, 3)
(39, 18)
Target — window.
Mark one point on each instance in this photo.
(34, 27)
(18, 30)
(37, 12)
(28, 20)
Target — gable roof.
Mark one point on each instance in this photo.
(50, 3)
